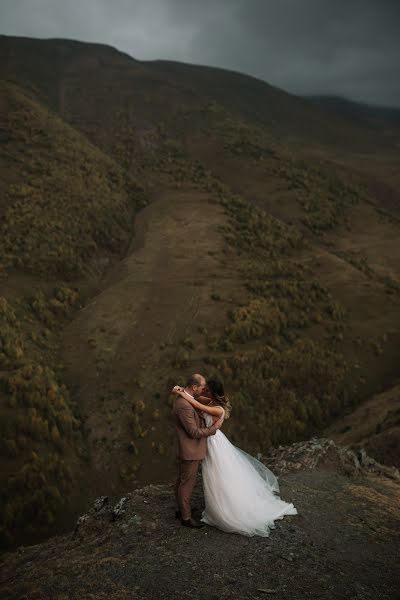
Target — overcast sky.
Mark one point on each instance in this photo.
(343, 47)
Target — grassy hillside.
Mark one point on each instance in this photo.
(265, 252)
(58, 190)
(374, 426)
(66, 210)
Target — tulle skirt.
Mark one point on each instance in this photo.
(241, 494)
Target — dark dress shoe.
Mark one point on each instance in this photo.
(194, 510)
(192, 523)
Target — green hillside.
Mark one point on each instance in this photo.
(66, 210)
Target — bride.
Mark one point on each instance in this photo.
(241, 494)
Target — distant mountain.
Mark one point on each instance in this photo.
(159, 218)
(379, 118)
(350, 107)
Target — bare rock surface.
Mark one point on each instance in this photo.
(344, 542)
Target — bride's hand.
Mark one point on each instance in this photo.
(177, 389)
(218, 423)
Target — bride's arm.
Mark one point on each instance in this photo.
(215, 411)
(204, 399)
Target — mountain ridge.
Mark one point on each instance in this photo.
(283, 103)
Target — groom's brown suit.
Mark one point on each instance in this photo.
(192, 448)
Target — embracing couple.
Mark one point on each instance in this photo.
(241, 494)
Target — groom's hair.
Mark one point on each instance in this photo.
(195, 379)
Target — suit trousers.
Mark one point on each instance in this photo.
(184, 485)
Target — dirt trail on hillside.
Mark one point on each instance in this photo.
(152, 300)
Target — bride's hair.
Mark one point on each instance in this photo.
(218, 394)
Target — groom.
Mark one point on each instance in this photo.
(192, 447)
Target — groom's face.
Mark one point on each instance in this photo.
(198, 389)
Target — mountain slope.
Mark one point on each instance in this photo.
(375, 426)
(288, 116)
(66, 211)
(168, 87)
(54, 185)
(382, 119)
(265, 255)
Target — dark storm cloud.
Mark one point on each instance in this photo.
(347, 47)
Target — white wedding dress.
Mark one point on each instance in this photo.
(241, 494)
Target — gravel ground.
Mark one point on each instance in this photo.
(344, 543)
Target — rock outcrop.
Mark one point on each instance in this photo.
(343, 543)
(322, 452)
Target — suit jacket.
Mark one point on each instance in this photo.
(191, 431)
